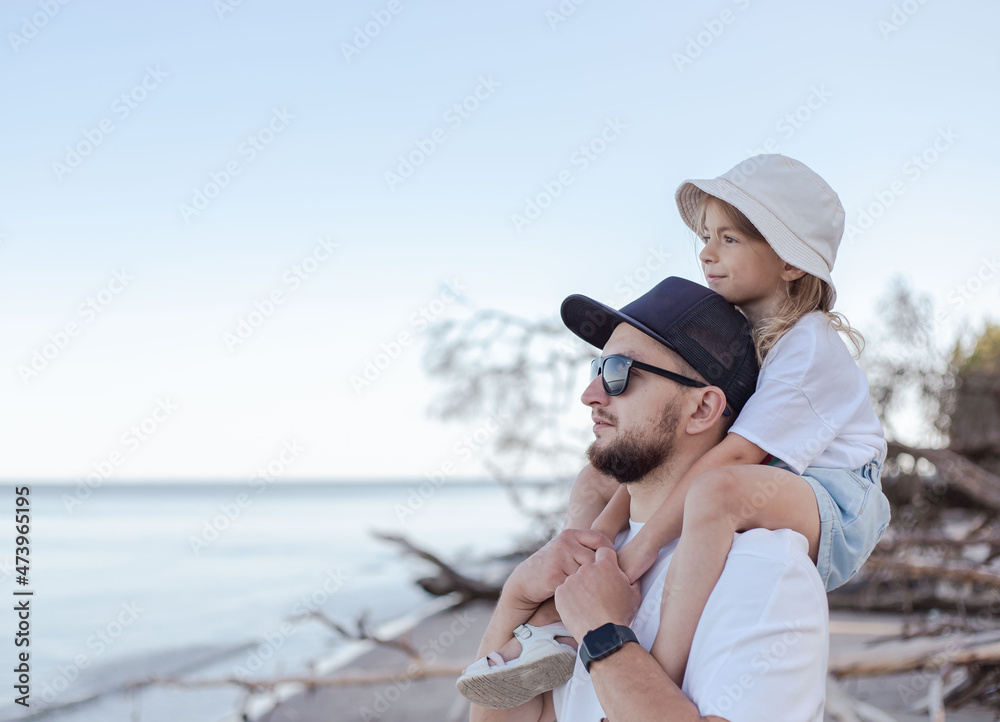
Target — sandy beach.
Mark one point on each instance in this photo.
(451, 637)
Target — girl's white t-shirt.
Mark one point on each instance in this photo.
(811, 406)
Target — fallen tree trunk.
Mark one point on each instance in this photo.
(983, 648)
(908, 570)
(958, 472)
(414, 672)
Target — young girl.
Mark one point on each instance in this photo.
(806, 451)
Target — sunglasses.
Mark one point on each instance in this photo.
(614, 372)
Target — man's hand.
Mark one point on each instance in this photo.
(597, 594)
(537, 577)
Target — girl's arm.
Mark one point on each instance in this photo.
(615, 516)
(591, 493)
(664, 526)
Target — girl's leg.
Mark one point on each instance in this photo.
(545, 614)
(718, 504)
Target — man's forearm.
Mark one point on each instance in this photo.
(632, 687)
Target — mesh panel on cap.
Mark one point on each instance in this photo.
(717, 343)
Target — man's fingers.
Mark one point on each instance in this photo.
(606, 554)
(583, 555)
(593, 539)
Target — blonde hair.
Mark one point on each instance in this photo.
(802, 296)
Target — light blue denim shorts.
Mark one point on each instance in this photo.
(853, 515)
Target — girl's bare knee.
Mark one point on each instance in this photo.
(714, 495)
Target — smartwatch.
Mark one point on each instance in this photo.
(603, 641)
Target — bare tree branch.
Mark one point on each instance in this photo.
(450, 580)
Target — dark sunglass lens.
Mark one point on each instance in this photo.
(615, 375)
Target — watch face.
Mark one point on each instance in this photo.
(603, 640)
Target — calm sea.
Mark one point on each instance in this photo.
(192, 581)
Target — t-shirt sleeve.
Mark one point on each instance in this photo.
(783, 423)
(794, 412)
(763, 658)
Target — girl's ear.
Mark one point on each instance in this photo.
(791, 273)
(711, 406)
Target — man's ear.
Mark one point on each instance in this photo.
(709, 405)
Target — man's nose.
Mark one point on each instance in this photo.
(594, 394)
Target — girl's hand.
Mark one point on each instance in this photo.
(636, 557)
(596, 594)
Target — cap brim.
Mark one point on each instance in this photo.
(594, 322)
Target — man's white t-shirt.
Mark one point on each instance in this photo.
(760, 650)
(811, 406)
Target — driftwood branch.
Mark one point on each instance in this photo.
(935, 698)
(959, 473)
(449, 579)
(363, 633)
(256, 686)
(923, 654)
(890, 545)
(841, 707)
(931, 626)
(922, 571)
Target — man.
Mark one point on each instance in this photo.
(760, 649)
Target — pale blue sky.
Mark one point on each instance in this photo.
(880, 95)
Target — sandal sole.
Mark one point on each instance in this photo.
(513, 686)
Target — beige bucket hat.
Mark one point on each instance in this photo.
(795, 210)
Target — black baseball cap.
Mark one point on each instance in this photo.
(698, 324)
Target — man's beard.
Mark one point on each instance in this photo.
(633, 455)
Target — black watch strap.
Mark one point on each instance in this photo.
(604, 641)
